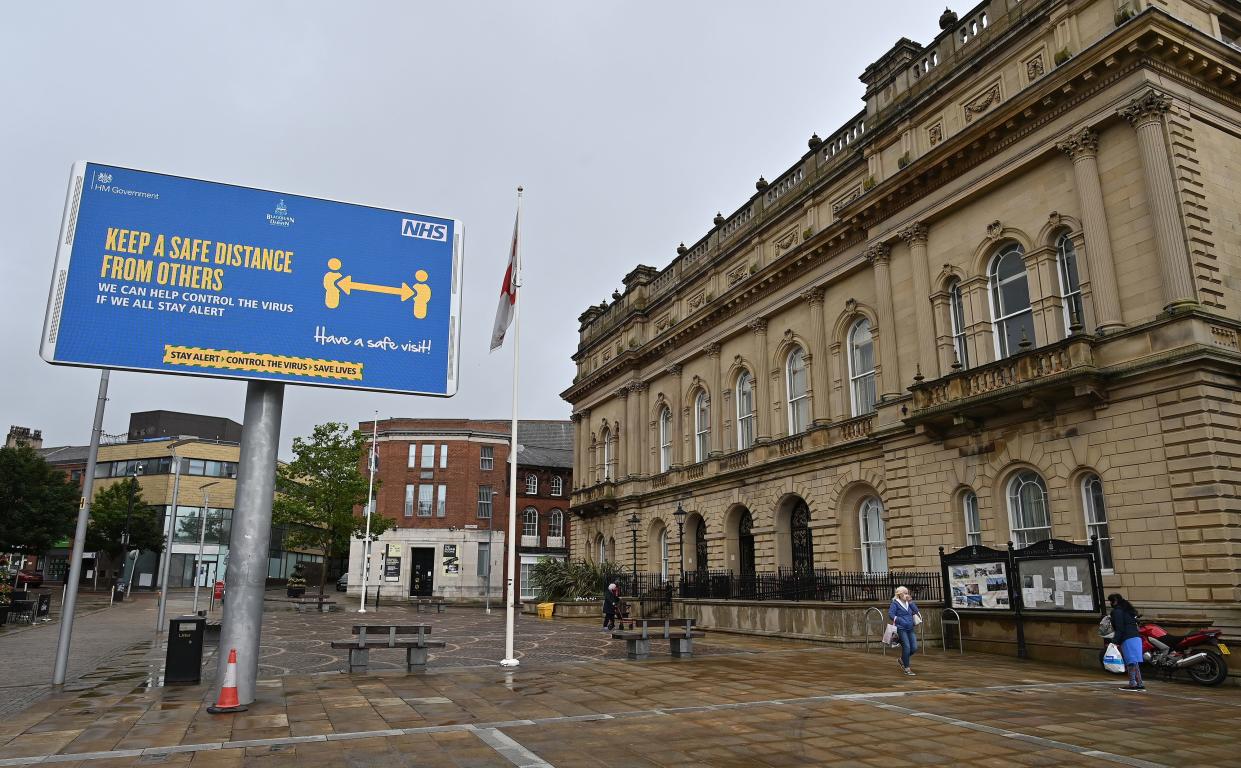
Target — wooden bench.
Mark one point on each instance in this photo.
(378, 636)
(679, 633)
(428, 602)
(300, 604)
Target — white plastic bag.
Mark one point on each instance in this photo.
(917, 619)
(1112, 660)
(889, 634)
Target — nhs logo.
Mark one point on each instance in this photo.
(424, 229)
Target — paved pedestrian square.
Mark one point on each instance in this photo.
(575, 701)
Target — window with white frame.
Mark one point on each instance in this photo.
(956, 316)
(557, 485)
(1012, 319)
(444, 456)
(484, 502)
(798, 391)
(973, 526)
(413, 455)
(409, 500)
(1096, 518)
(602, 548)
(702, 427)
(486, 457)
(862, 367)
(873, 536)
(426, 499)
(441, 504)
(527, 580)
(1070, 282)
(609, 456)
(532, 485)
(663, 552)
(1029, 519)
(745, 410)
(555, 524)
(530, 522)
(428, 456)
(665, 439)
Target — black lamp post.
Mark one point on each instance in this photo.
(680, 515)
(633, 531)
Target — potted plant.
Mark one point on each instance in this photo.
(296, 584)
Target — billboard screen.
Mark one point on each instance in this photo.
(174, 275)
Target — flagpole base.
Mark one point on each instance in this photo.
(509, 662)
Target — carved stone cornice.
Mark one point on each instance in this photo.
(638, 386)
(914, 234)
(622, 393)
(712, 349)
(814, 296)
(576, 417)
(1149, 106)
(1081, 144)
(879, 253)
(673, 370)
(758, 325)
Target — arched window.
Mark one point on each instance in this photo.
(1011, 316)
(745, 410)
(602, 547)
(557, 485)
(745, 541)
(609, 455)
(973, 526)
(956, 315)
(555, 524)
(702, 427)
(665, 439)
(798, 391)
(803, 545)
(700, 546)
(663, 552)
(873, 536)
(530, 522)
(1070, 283)
(532, 485)
(862, 367)
(1096, 518)
(1028, 517)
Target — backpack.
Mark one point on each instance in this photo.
(1105, 627)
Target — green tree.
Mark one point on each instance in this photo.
(38, 504)
(318, 491)
(109, 512)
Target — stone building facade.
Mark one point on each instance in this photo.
(1000, 304)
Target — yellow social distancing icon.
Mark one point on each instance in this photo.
(335, 283)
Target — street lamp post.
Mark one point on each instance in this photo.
(633, 531)
(680, 518)
(129, 512)
(202, 536)
(166, 560)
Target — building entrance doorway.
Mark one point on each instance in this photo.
(745, 541)
(421, 571)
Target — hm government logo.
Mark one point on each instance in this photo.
(104, 178)
(281, 217)
(424, 229)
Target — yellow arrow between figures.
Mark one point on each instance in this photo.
(347, 284)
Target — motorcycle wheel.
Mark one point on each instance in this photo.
(1210, 672)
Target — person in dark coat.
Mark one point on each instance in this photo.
(611, 602)
(1125, 625)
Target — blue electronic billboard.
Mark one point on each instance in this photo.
(175, 275)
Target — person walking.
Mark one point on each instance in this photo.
(611, 601)
(1125, 624)
(905, 615)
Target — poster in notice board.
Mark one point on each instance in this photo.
(1062, 584)
(979, 585)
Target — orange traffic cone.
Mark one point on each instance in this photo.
(228, 701)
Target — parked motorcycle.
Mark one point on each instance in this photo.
(1199, 653)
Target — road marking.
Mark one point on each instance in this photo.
(510, 750)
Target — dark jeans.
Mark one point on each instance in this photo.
(909, 645)
(609, 619)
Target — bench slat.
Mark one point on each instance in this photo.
(373, 645)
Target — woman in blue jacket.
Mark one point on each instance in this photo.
(902, 612)
(1125, 624)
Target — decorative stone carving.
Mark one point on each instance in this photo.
(697, 300)
(712, 349)
(935, 134)
(1079, 144)
(995, 229)
(850, 305)
(815, 142)
(663, 323)
(813, 296)
(761, 184)
(737, 274)
(758, 325)
(622, 393)
(786, 241)
(673, 370)
(1149, 106)
(607, 355)
(719, 218)
(852, 195)
(682, 250)
(878, 253)
(1053, 219)
(1034, 67)
(914, 233)
(982, 102)
(788, 334)
(638, 386)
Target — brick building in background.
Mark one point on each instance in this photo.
(444, 481)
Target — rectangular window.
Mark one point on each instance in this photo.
(441, 506)
(409, 500)
(444, 456)
(486, 457)
(484, 560)
(956, 313)
(426, 499)
(973, 527)
(484, 502)
(428, 456)
(413, 455)
(527, 583)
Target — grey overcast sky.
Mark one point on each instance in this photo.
(629, 124)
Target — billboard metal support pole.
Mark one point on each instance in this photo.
(166, 560)
(247, 562)
(79, 540)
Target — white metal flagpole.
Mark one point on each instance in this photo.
(510, 597)
(370, 494)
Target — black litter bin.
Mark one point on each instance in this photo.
(184, 662)
(118, 593)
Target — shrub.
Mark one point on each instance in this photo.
(561, 580)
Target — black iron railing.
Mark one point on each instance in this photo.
(821, 584)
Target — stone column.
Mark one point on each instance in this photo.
(578, 454)
(889, 375)
(915, 236)
(716, 404)
(1083, 148)
(820, 412)
(1146, 114)
(762, 383)
(633, 423)
(623, 437)
(644, 429)
(678, 432)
